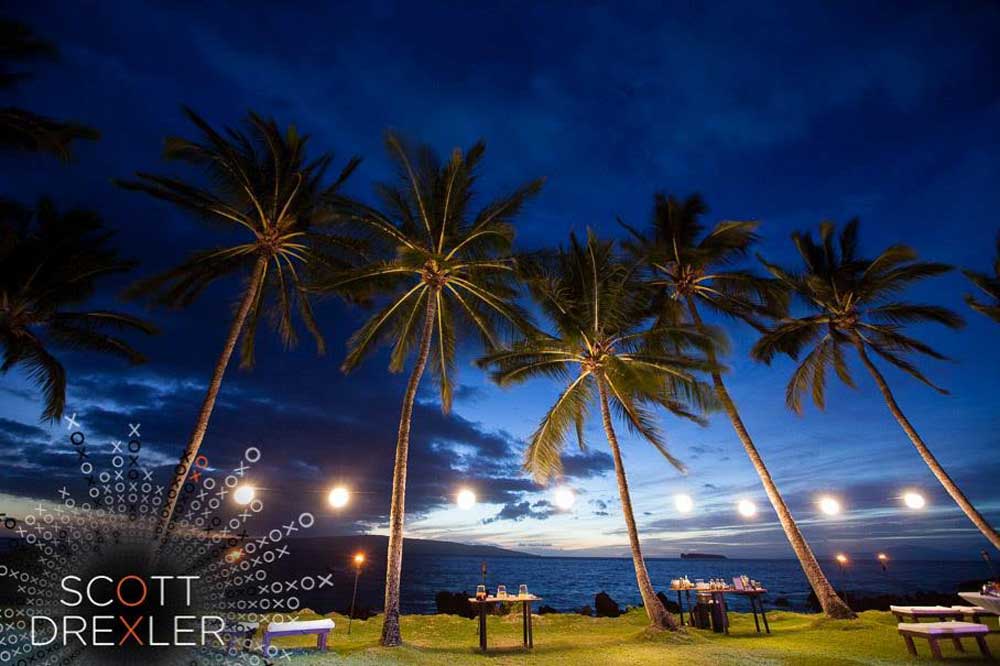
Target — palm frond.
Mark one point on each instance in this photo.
(543, 457)
(848, 297)
(988, 285)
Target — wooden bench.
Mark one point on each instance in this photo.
(915, 613)
(934, 631)
(321, 628)
(975, 612)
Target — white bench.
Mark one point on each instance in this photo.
(976, 613)
(933, 631)
(321, 628)
(914, 613)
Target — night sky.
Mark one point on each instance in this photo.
(787, 113)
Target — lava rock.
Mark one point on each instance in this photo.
(782, 602)
(547, 610)
(606, 606)
(862, 602)
(586, 610)
(454, 603)
(671, 606)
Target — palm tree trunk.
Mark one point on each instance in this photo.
(832, 605)
(201, 425)
(391, 635)
(942, 476)
(659, 617)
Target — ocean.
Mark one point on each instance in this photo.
(567, 583)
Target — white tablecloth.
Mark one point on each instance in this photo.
(977, 599)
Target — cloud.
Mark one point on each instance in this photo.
(522, 510)
(15, 429)
(587, 465)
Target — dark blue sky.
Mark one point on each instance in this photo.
(787, 112)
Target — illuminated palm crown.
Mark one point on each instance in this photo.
(853, 301)
(686, 261)
(261, 184)
(435, 258)
(602, 346)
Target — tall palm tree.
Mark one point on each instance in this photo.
(990, 285)
(690, 268)
(262, 186)
(852, 302)
(25, 130)
(439, 266)
(603, 350)
(52, 263)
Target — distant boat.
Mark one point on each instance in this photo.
(702, 556)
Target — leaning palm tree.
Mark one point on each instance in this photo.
(604, 351)
(440, 267)
(25, 130)
(690, 267)
(263, 186)
(990, 285)
(52, 263)
(852, 302)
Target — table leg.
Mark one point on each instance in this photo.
(687, 597)
(763, 614)
(524, 622)
(725, 613)
(935, 648)
(983, 647)
(753, 608)
(482, 627)
(531, 629)
(680, 605)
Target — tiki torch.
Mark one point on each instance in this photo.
(359, 562)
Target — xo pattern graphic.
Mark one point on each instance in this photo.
(120, 515)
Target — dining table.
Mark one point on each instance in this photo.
(718, 596)
(483, 606)
(987, 601)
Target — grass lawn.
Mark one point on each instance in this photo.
(574, 640)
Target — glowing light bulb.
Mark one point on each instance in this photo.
(684, 503)
(564, 498)
(829, 505)
(747, 508)
(466, 499)
(339, 497)
(841, 559)
(914, 500)
(359, 559)
(244, 494)
(882, 557)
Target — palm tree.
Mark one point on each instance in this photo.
(263, 186)
(691, 268)
(852, 301)
(990, 286)
(439, 267)
(603, 351)
(25, 130)
(52, 263)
